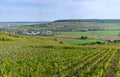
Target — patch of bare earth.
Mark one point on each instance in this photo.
(110, 37)
(69, 37)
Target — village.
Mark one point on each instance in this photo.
(48, 31)
(30, 32)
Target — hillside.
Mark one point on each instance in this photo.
(13, 39)
(38, 56)
(70, 31)
(91, 20)
(44, 29)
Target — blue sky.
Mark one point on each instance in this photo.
(49, 10)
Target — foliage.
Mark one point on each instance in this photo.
(84, 37)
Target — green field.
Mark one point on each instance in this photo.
(93, 36)
(88, 33)
(86, 41)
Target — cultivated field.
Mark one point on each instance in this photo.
(35, 56)
(50, 61)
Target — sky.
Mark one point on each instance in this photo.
(50, 10)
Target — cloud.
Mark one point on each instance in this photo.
(62, 9)
(99, 9)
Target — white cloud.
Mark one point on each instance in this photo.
(58, 9)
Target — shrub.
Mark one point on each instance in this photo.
(48, 46)
(61, 42)
(84, 37)
(67, 47)
(5, 39)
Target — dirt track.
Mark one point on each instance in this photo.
(67, 37)
(77, 37)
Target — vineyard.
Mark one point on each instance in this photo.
(61, 62)
(27, 56)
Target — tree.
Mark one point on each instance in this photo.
(84, 37)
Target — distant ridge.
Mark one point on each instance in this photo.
(91, 20)
(25, 22)
(19, 23)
